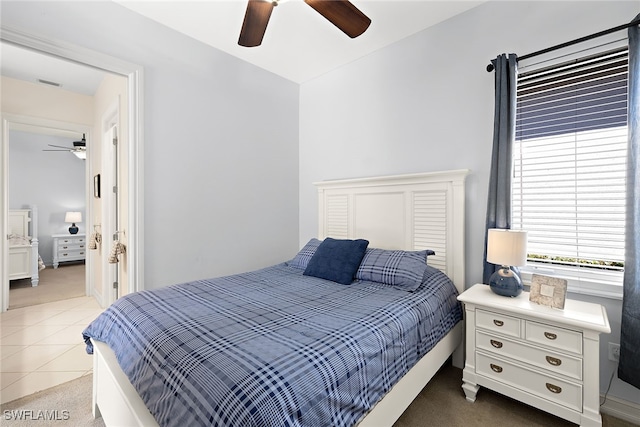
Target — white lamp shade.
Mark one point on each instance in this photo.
(507, 247)
(73, 217)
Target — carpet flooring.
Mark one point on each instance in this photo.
(441, 403)
(56, 284)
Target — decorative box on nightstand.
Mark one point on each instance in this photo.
(68, 247)
(542, 356)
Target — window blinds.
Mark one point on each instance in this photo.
(570, 160)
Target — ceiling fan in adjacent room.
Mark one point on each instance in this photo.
(79, 148)
(341, 13)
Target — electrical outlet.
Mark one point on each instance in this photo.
(614, 352)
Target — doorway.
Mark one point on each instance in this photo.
(47, 179)
(132, 208)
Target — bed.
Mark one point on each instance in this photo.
(24, 259)
(371, 346)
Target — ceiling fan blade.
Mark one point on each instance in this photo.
(59, 146)
(255, 22)
(57, 150)
(343, 15)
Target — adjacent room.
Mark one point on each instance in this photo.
(322, 212)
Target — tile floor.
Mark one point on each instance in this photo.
(41, 346)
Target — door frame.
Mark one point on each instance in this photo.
(135, 201)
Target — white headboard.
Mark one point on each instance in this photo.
(19, 220)
(409, 212)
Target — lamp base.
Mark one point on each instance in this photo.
(73, 229)
(505, 282)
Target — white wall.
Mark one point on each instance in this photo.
(54, 181)
(220, 142)
(426, 104)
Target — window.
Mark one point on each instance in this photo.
(570, 167)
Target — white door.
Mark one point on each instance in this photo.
(110, 223)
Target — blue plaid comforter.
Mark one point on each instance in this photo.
(272, 347)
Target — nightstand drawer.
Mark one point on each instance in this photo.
(71, 240)
(553, 362)
(552, 336)
(500, 323)
(553, 389)
(70, 246)
(73, 254)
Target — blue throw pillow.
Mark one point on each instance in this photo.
(337, 260)
(302, 258)
(402, 269)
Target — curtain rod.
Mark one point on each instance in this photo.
(490, 67)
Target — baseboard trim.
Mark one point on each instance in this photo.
(622, 409)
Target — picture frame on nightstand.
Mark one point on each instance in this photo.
(549, 291)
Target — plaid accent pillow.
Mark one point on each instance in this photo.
(301, 260)
(402, 269)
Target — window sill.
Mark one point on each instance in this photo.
(603, 285)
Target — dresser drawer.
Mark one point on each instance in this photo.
(70, 246)
(500, 323)
(548, 387)
(71, 255)
(554, 337)
(71, 241)
(551, 361)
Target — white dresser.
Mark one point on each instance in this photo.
(69, 247)
(542, 356)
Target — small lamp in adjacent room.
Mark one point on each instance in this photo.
(506, 248)
(73, 217)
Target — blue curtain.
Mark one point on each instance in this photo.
(629, 367)
(504, 132)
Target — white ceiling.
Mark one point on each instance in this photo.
(299, 43)
(24, 64)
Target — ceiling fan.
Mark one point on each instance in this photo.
(79, 148)
(341, 13)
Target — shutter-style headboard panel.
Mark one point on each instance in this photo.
(410, 212)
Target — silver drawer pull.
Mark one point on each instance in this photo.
(81, 246)
(65, 247)
(65, 254)
(496, 344)
(498, 322)
(550, 336)
(498, 369)
(554, 361)
(554, 388)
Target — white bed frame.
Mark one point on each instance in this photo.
(410, 212)
(23, 258)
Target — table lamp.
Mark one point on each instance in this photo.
(506, 248)
(73, 217)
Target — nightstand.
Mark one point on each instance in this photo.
(542, 356)
(68, 247)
